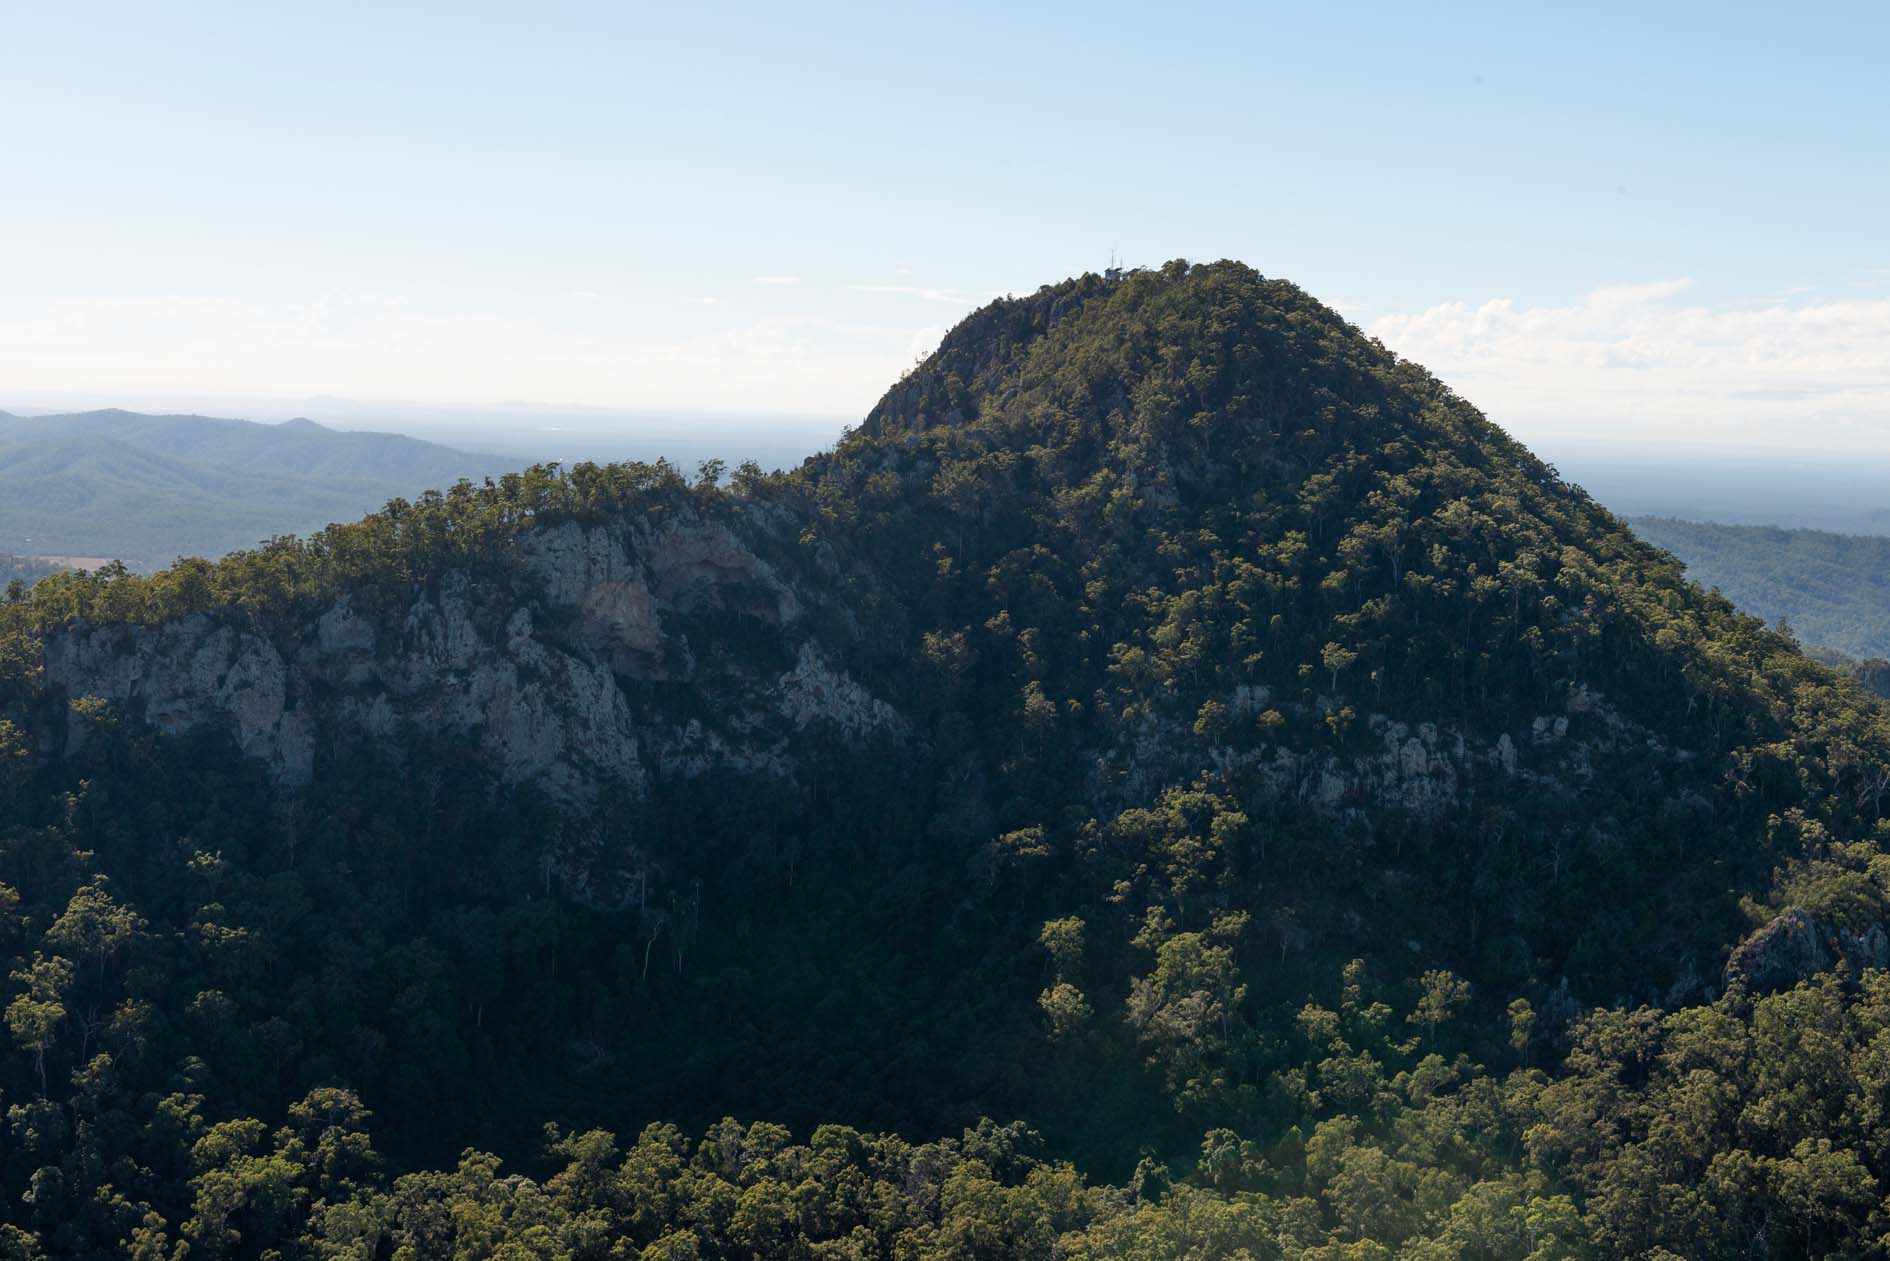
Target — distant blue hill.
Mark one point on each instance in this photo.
(1833, 589)
(147, 489)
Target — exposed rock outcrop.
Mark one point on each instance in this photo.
(1798, 945)
(546, 669)
(1425, 769)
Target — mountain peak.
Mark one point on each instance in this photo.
(942, 389)
(1201, 335)
(1212, 378)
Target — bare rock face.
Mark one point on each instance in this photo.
(547, 672)
(813, 691)
(1787, 950)
(1799, 945)
(189, 672)
(1425, 769)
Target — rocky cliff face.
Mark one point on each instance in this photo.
(551, 671)
(1798, 945)
(558, 673)
(1424, 768)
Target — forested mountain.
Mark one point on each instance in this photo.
(147, 489)
(1833, 589)
(1174, 750)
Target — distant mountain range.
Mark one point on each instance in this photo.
(1832, 589)
(147, 489)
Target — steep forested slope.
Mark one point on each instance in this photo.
(1169, 722)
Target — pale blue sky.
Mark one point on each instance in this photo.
(774, 209)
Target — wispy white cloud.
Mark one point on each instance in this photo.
(703, 301)
(777, 280)
(1636, 361)
(949, 296)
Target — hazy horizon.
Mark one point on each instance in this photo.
(525, 429)
(1728, 482)
(509, 422)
